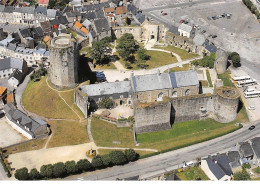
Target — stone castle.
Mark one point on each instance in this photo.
(64, 55)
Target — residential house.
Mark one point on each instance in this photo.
(121, 15)
(3, 95)
(25, 15)
(26, 37)
(234, 159)
(217, 167)
(246, 150)
(26, 54)
(185, 30)
(73, 16)
(256, 147)
(40, 14)
(29, 127)
(43, 3)
(3, 47)
(9, 65)
(80, 29)
(15, 79)
(102, 28)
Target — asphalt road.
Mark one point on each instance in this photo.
(163, 162)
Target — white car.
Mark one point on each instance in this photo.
(251, 108)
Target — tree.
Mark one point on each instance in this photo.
(97, 162)
(106, 160)
(59, 170)
(99, 48)
(34, 174)
(235, 57)
(84, 165)
(126, 46)
(106, 103)
(47, 171)
(131, 155)
(71, 167)
(141, 55)
(242, 176)
(22, 174)
(118, 157)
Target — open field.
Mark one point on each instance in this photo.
(187, 133)
(157, 59)
(181, 52)
(40, 99)
(107, 151)
(67, 133)
(192, 174)
(105, 134)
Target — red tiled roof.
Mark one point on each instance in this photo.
(121, 10)
(83, 29)
(10, 98)
(2, 90)
(43, 1)
(109, 10)
(78, 24)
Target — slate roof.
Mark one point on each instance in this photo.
(28, 10)
(234, 158)
(11, 46)
(140, 17)
(51, 13)
(132, 8)
(6, 41)
(199, 39)
(223, 162)
(174, 30)
(41, 10)
(86, 23)
(164, 80)
(211, 48)
(9, 9)
(38, 31)
(256, 146)
(101, 25)
(246, 149)
(221, 54)
(185, 27)
(215, 168)
(107, 88)
(25, 32)
(2, 8)
(14, 63)
(100, 14)
(17, 75)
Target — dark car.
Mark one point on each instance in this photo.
(203, 31)
(164, 14)
(214, 36)
(251, 127)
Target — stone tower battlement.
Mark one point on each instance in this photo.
(64, 55)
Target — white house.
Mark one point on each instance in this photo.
(185, 30)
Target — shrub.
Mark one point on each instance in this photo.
(34, 174)
(97, 162)
(242, 176)
(106, 160)
(47, 171)
(71, 167)
(141, 55)
(246, 166)
(131, 155)
(22, 174)
(235, 59)
(118, 157)
(59, 170)
(106, 103)
(84, 165)
(257, 170)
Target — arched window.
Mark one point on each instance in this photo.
(187, 92)
(174, 94)
(160, 97)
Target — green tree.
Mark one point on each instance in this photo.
(59, 170)
(242, 176)
(126, 46)
(118, 157)
(106, 103)
(47, 171)
(235, 57)
(99, 49)
(71, 167)
(131, 155)
(34, 174)
(97, 162)
(106, 160)
(84, 165)
(22, 174)
(141, 55)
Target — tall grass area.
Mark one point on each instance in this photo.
(209, 78)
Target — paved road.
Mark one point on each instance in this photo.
(161, 163)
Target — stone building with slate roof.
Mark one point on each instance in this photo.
(30, 128)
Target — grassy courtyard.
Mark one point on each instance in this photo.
(181, 52)
(192, 174)
(40, 99)
(157, 59)
(67, 133)
(226, 78)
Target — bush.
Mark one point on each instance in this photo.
(5, 167)
(71, 167)
(235, 59)
(141, 55)
(47, 171)
(131, 155)
(206, 61)
(257, 170)
(59, 170)
(34, 174)
(84, 165)
(242, 176)
(106, 103)
(22, 174)
(106, 160)
(97, 162)
(118, 157)
(246, 166)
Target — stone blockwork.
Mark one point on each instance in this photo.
(222, 106)
(81, 100)
(221, 61)
(64, 56)
(152, 117)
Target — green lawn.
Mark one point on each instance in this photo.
(157, 59)
(40, 99)
(192, 174)
(181, 52)
(225, 77)
(67, 133)
(105, 133)
(107, 151)
(209, 78)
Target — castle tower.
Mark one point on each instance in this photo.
(221, 61)
(64, 55)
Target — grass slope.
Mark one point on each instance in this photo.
(67, 133)
(40, 99)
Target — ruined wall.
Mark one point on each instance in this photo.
(81, 100)
(221, 61)
(152, 117)
(135, 31)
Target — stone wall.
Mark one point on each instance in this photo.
(135, 31)
(81, 100)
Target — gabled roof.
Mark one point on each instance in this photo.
(246, 149)
(11, 46)
(43, 1)
(186, 78)
(101, 25)
(121, 10)
(25, 32)
(78, 24)
(109, 10)
(9, 9)
(84, 30)
(38, 31)
(174, 30)
(100, 14)
(215, 169)
(199, 39)
(185, 27)
(15, 63)
(256, 146)
(132, 8)
(41, 10)
(234, 158)
(2, 90)
(17, 75)
(86, 23)
(140, 17)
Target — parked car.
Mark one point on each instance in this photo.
(203, 31)
(214, 36)
(164, 14)
(186, 22)
(251, 127)
(251, 108)
(182, 21)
